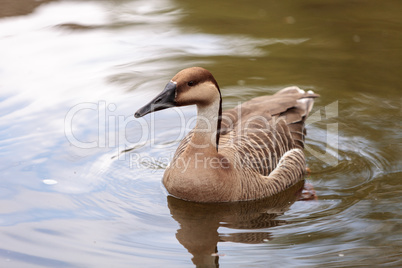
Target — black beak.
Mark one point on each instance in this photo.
(164, 100)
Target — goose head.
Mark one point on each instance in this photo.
(190, 86)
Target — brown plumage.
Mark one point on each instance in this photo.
(246, 153)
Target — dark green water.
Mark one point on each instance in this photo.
(80, 178)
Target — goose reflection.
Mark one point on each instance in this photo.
(199, 222)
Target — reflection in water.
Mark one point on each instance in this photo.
(199, 222)
(20, 7)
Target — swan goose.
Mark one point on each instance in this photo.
(252, 151)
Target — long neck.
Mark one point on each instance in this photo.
(206, 131)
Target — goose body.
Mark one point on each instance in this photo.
(249, 152)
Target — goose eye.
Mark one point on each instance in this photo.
(191, 83)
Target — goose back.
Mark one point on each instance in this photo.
(258, 132)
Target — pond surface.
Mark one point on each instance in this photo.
(80, 177)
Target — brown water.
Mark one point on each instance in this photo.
(80, 178)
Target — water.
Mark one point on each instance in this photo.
(81, 178)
